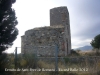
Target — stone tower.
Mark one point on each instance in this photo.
(60, 16)
(43, 40)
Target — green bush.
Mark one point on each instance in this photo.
(66, 59)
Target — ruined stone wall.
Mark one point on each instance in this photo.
(43, 41)
(60, 15)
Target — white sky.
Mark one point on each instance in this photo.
(35, 13)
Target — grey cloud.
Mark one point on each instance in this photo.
(86, 21)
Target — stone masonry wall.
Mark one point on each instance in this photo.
(58, 16)
(42, 41)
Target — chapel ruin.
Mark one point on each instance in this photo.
(43, 40)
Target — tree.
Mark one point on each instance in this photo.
(8, 21)
(95, 43)
(8, 31)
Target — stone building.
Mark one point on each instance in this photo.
(43, 40)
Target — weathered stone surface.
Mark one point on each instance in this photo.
(58, 16)
(43, 40)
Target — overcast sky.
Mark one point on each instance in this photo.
(84, 18)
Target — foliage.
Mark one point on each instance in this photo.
(27, 61)
(95, 43)
(74, 53)
(78, 50)
(8, 32)
(8, 21)
(4, 63)
(66, 60)
(23, 62)
(92, 63)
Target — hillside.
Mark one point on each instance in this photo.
(85, 48)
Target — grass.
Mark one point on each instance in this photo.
(70, 62)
